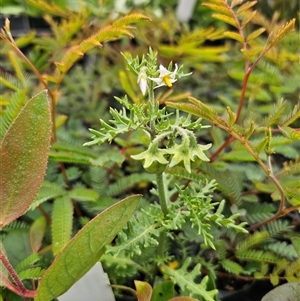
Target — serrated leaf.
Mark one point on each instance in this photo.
(248, 17)
(245, 6)
(296, 244)
(236, 2)
(253, 35)
(143, 290)
(288, 27)
(24, 154)
(62, 220)
(85, 249)
(226, 19)
(234, 35)
(183, 299)
(232, 267)
(83, 194)
(219, 8)
(290, 132)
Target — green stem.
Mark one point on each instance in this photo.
(161, 193)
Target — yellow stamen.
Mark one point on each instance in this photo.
(167, 81)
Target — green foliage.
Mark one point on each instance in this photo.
(185, 278)
(242, 163)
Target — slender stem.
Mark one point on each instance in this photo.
(161, 193)
(12, 272)
(19, 289)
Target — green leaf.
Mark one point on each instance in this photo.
(183, 299)
(85, 249)
(296, 244)
(37, 232)
(83, 194)
(143, 290)
(185, 278)
(231, 266)
(61, 226)
(23, 154)
(163, 291)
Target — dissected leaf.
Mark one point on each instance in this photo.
(23, 154)
(85, 249)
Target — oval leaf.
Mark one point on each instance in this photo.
(143, 290)
(84, 249)
(24, 154)
(37, 233)
(163, 291)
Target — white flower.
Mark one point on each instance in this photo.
(142, 80)
(166, 77)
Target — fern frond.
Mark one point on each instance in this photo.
(185, 278)
(27, 262)
(129, 19)
(234, 35)
(10, 81)
(254, 34)
(220, 7)
(226, 19)
(277, 227)
(83, 194)
(258, 255)
(127, 182)
(276, 38)
(251, 241)
(282, 249)
(17, 102)
(15, 225)
(271, 72)
(31, 273)
(258, 212)
(293, 268)
(248, 17)
(47, 192)
(221, 249)
(244, 7)
(231, 267)
(119, 29)
(61, 226)
(52, 8)
(276, 112)
(292, 116)
(181, 172)
(69, 157)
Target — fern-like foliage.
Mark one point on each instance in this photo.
(62, 221)
(185, 278)
(141, 232)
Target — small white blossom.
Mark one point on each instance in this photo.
(166, 77)
(142, 80)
